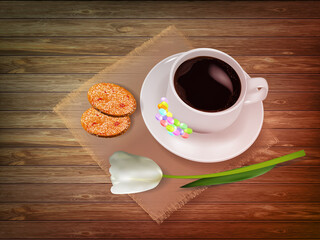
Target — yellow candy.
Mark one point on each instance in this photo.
(170, 128)
(165, 104)
(169, 114)
(162, 106)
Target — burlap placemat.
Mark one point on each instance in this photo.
(130, 73)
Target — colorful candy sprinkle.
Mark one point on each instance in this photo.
(170, 128)
(183, 126)
(159, 117)
(176, 132)
(185, 135)
(162, 111)
(164, 104)
(173, 126)
(170, 133)
(176, 122)
(170, 120)
(163, 123)
(188, 130)
(163, 99)
(180, 130)
(160, 105)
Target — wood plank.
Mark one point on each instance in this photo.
(290, 82)
(53, 64)
(29, 156)
(133, 229)
(37, 137)
(280, 64)
(100, 193)
(284, 101)
(94, 174)
(31, 119)
(94, 64)
(48, 119)
(46, 157)
(77, 156)
(30, 101)
(68, 82)
(151, 27)
(259, 192)
(85, 192)
(110, 46)
(160, 9)
(14, 174)
(74, 46)
(312, 156)
(290, 119)
(297, 137)
(63, 137)
(292, 101)
(62, 82)
(132, 211)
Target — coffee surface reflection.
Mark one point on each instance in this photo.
(207, 84)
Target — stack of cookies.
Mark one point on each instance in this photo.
(109, 114)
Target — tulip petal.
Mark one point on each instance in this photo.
(132, 174)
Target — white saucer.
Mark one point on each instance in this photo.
(207, 148)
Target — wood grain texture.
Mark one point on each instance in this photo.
(67, 82)
(48, 119)
(50, 188)
(77, 156)
(191, 212)
(94, 174)
(94, 64)
(28, 156)
(136, 229)
(161, 9)
(63, 137)
(151, 27)
(99, 193)
(262, 46)
(285, 101)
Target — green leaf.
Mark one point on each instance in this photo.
(272, 162)
(229, 178)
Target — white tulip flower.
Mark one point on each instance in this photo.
(132, 174)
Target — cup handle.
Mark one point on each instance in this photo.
(253, 93)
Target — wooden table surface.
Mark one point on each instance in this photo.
(51, 188)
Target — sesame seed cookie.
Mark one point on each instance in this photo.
(102, 125)
(112, 99)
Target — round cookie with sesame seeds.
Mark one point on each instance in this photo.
(102, 125)
(112, 99)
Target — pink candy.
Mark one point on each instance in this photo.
(176, 132)
(170, 120)
(163, 99)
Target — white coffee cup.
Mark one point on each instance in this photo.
(252, 90)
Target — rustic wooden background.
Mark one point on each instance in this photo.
(50, 187)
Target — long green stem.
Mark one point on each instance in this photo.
(275, 161)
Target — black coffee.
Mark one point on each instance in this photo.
(207, 84)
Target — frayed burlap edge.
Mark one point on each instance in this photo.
(135, 52)
(172, 207)
(160, 217)
(103, 165)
